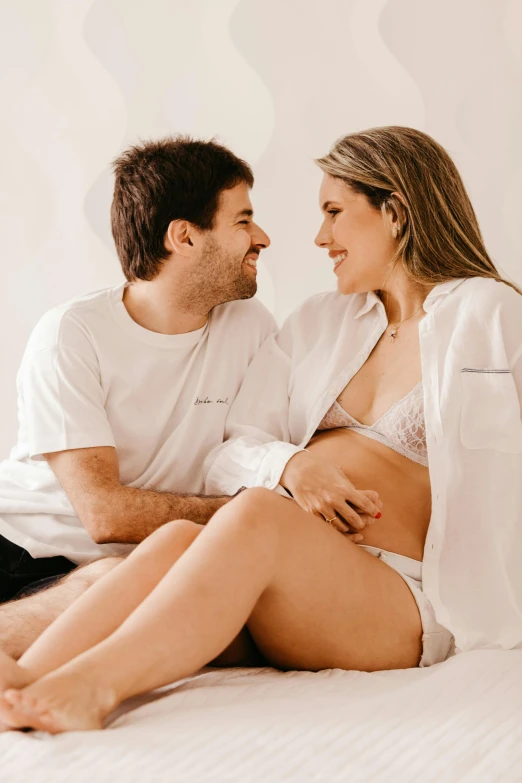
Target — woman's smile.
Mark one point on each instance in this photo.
(339, 258)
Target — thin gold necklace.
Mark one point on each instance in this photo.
(396, 327)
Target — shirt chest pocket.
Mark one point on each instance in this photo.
(490, 416)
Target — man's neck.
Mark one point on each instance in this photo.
(154, 307)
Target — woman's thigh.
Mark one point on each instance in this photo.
(168, 544)
(330, 603)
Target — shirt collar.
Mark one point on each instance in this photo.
(440, 291)
(367, 304)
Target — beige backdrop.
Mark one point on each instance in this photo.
(278, 81)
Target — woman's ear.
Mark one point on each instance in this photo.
(400, 197)
(398, 215)
(178, 238)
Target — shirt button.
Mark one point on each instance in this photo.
(267, 483)
(333, 390)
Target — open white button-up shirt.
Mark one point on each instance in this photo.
(471, 356)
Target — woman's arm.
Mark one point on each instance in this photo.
(260, 448)
(257, 436)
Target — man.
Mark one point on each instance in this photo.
(123, 392)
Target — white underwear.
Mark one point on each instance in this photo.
(437, 641)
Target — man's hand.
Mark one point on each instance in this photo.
(112, 513)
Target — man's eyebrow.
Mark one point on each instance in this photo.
(244, 213)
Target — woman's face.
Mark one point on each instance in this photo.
(359, 241)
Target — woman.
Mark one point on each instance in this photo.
(407, 380)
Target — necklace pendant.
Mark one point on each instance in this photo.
(393, 335)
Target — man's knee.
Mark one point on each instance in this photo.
(90, 573)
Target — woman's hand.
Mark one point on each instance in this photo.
(323, 490)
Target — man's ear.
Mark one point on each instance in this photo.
(179, 238)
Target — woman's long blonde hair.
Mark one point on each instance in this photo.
(440, 238)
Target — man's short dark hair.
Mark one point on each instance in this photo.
(176, 178)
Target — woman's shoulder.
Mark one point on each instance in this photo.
(488, 306)
(485, 291)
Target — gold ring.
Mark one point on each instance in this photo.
(330, 520)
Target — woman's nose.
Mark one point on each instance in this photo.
(322, 240)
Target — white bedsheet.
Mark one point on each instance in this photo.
(458, 721)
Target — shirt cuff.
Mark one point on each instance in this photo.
(274, 463)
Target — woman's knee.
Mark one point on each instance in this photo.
(175, 533)
(254, 503)
(255, 509)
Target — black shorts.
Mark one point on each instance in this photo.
(21, 574)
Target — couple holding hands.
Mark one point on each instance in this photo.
(192, 486)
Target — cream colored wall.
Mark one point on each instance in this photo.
(278, 81)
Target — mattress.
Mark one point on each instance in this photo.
(457, 721)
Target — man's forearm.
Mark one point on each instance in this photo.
(132, 514)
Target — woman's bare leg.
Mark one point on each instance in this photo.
(310, 597)
(103, 607)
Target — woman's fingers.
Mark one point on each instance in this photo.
(374, 497)
(347, 513)
(342, 527)
(331, 518)
(355, 537)
(362, 502)
(367, 520)
(349, 509)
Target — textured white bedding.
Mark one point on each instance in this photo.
(458, 721)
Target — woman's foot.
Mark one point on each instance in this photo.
(61, 701)
(11, 676)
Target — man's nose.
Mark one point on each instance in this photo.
(259, 238)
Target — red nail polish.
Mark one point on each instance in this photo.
(378, 515)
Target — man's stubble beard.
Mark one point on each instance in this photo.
(218, 278)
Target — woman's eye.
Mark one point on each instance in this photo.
(333, 211)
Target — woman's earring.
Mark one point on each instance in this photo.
(395, 231)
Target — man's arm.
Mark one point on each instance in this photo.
(112, 513)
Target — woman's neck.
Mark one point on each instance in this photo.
(403, 301)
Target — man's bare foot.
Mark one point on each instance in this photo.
(61, 701)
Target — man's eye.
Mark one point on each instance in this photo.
(244, 222)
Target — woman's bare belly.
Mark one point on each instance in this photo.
(403, 486)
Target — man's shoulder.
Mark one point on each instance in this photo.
(69, 321)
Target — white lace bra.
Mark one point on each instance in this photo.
(401, 428)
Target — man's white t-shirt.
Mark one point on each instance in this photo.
(91, 376)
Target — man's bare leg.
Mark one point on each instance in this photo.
(22, 621)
